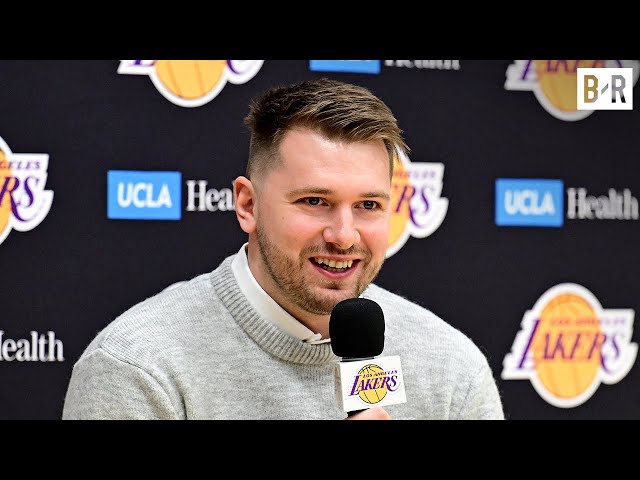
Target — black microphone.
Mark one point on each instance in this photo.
(356, 329)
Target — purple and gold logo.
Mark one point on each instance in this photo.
(372, 383)
(192, 83)
(568, 345)
(24, 202)
(555, 82)
(417, 206)
(361, 382)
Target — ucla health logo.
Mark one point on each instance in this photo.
(24, 202)
(568, 345)
(352, 66)
(192, 83)
(142, 195)
(374, 66)
(529, 202)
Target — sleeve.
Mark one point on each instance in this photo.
(103, 387)
(482, 401)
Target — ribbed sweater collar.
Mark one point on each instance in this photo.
(261, 330)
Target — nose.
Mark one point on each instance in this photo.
(342, 230)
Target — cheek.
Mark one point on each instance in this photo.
(376, 237)
(293, 230)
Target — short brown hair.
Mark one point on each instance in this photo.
(335, 109)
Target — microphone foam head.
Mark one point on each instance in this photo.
(356, 328)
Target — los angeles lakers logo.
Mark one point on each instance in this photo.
(5, 200)
(24, 202)
(417, 206)
(364, 383)
(568, 345)
(372, 383)
(192, 83)
(555, 82)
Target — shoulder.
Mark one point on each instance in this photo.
(420, 329)
(394, 305)
(152, 326)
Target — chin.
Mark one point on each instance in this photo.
(335, 296)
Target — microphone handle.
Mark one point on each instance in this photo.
(354, 359)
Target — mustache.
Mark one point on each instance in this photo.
(330, 249)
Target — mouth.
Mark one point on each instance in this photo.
(335, 266)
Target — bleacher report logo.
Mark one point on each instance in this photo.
(605, 89)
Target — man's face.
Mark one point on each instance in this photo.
(322, 221)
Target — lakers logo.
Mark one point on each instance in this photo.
(417, 206)
(23, 201)
(554, 82)
(568, 345)
(192, 83)
(189, 79)
(372, 383)
(5, 200)
(400, 214)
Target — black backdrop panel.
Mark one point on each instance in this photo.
(77, 269)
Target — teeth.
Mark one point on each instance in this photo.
(333, 263)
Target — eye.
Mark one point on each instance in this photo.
(313, 200)
(369, 205)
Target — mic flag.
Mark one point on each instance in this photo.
(356, 329)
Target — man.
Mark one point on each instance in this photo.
(250, 340)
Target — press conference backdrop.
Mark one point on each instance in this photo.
(515, 214)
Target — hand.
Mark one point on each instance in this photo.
(373, 413)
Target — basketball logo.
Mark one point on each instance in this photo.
(374, 391)
(5, 200)
(190, 79)
(558, 80)
(568, 345)
(400, 210)
(24, 202)
(417, 208)
(565, 350)
(192, 83)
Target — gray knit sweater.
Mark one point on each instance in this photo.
(200, 351)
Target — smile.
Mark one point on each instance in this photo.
(333, 265)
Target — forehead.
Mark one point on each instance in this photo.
(307, 152)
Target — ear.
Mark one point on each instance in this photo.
(244, 197)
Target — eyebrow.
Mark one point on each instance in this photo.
(326, 191)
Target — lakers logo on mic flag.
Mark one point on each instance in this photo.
(369, 383)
